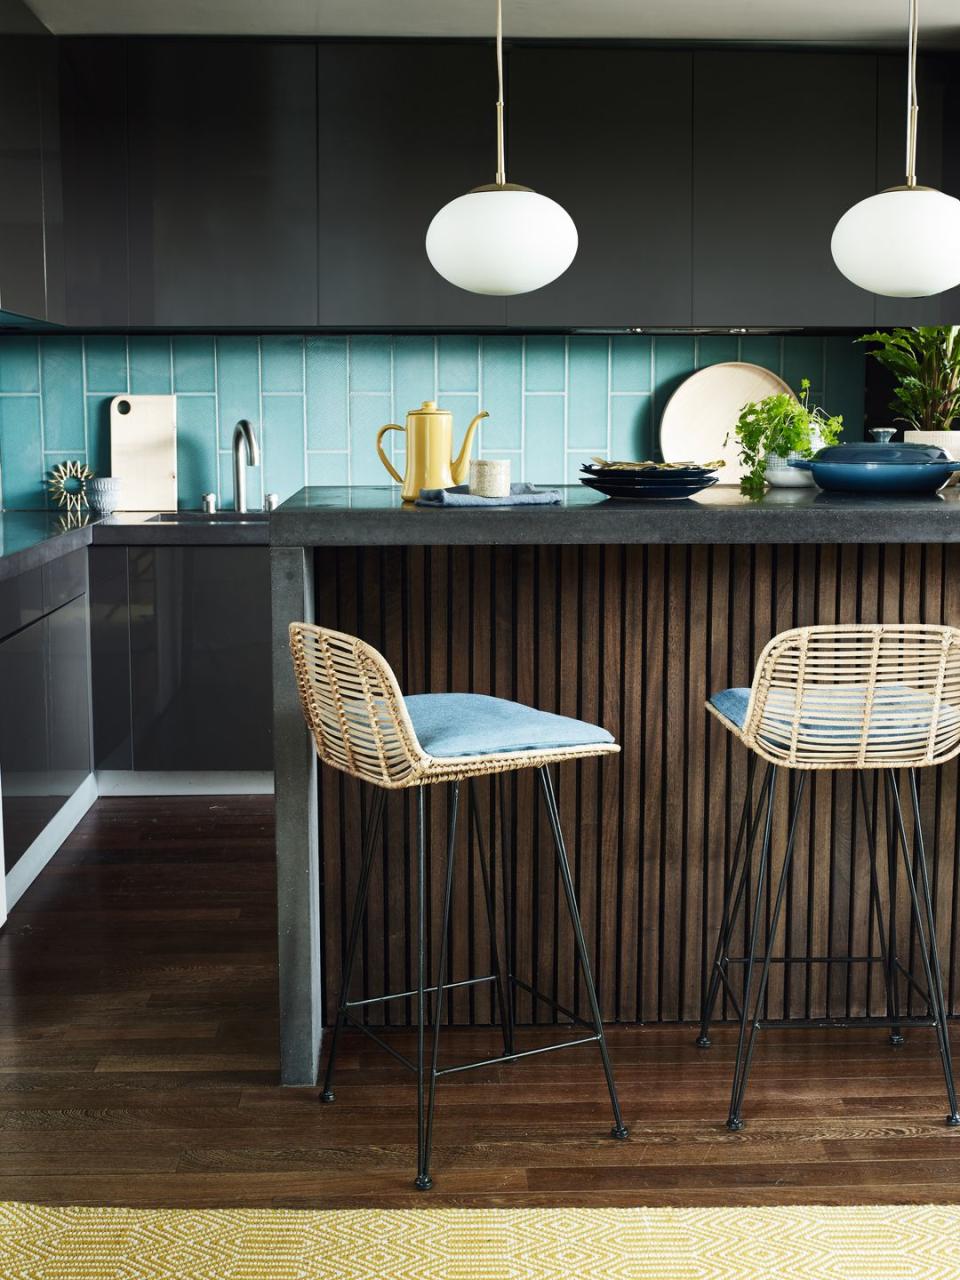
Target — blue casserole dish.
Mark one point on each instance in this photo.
(879, 468)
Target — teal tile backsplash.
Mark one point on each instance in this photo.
(318, 401)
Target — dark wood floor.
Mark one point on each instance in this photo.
(138, 1066)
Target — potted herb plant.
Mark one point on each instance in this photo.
(926, 363)
(780, 427)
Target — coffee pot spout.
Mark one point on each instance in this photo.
(460, 465)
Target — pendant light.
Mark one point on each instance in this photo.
(501, 239)
(904, 242)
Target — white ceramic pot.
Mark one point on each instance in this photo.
(948, 441)
(780, 475)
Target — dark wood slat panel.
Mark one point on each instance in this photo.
(634, 638)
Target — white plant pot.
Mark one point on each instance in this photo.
(780, 475)
(948, 441)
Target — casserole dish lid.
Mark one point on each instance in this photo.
(899, 455)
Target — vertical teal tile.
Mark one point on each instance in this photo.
(282, 357)
(544, 460)
(284, 457)
(149, 366)
(328, 468)
(457, 364)
(414, 376)
(106, 357)
(21, 456)
(673, 360)
(194, 363)
(762, 349)
(631, 437)
(197, 462)
(720, 348)
(367, 415)
(98, 434)
(545, 364)
(18, 365)
(238, 385)
(327, 411)
(369, 363)
(845, 384)
(61, 380)
(630, 363)
(587, 393)
(502, 393)
(803, 358)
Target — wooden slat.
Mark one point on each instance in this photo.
(633, 638)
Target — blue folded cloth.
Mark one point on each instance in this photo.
(521, 495)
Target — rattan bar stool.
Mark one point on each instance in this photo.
(852, 697)
(363, 725)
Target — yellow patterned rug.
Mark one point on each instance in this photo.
(876, 1243)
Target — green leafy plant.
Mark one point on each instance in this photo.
(781, 425)
(926, 361)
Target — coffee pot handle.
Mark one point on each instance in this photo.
(391, 426)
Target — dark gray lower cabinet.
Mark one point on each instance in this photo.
(45, 744)
(181, 647)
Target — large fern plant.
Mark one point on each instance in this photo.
(926, 363)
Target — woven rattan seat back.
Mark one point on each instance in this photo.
(354, 707)
(857, 696)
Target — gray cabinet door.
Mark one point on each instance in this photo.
(403, 129)
(93, 139)
(607, 133)
(200, 658)
(784, 143)
(68, 697)
(28, 804)
(222, 182)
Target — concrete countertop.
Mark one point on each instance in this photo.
(375, 515)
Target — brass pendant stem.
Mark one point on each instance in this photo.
(501, 149)
(913, 109)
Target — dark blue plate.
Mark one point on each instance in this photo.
(644, 490)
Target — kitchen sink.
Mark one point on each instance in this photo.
(210, 517)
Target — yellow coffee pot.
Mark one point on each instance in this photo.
(430, 460)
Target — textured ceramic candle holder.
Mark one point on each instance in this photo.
(103, 494)
(490, 478)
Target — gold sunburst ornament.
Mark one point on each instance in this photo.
(67, 485)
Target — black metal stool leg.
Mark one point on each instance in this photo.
(424, 1181)
(931, 960)
(896, 1034)
(735, 1119)
(732, 900)
(506, 1021)
(421, 979)
(889, 972)
(619, 1129)
(506, 867)
(933, 972)
(366, 861)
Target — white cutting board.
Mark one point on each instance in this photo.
(143, 451)
(698, 421)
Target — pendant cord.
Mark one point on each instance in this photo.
(501, 151)
(913, 108)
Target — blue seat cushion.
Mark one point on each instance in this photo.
(473, 724)
(898, 701)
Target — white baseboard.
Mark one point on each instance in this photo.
(29, 866)
(134, 782)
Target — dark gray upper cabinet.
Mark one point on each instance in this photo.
(222, 145)
(607, 133)
(404, 128)
(783, 144)
(29, 178)
(93, 139)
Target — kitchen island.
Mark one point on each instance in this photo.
(629, 615)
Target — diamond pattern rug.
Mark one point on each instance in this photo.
(869, 1243)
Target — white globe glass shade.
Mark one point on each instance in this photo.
(501, 242)
(903, 243)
